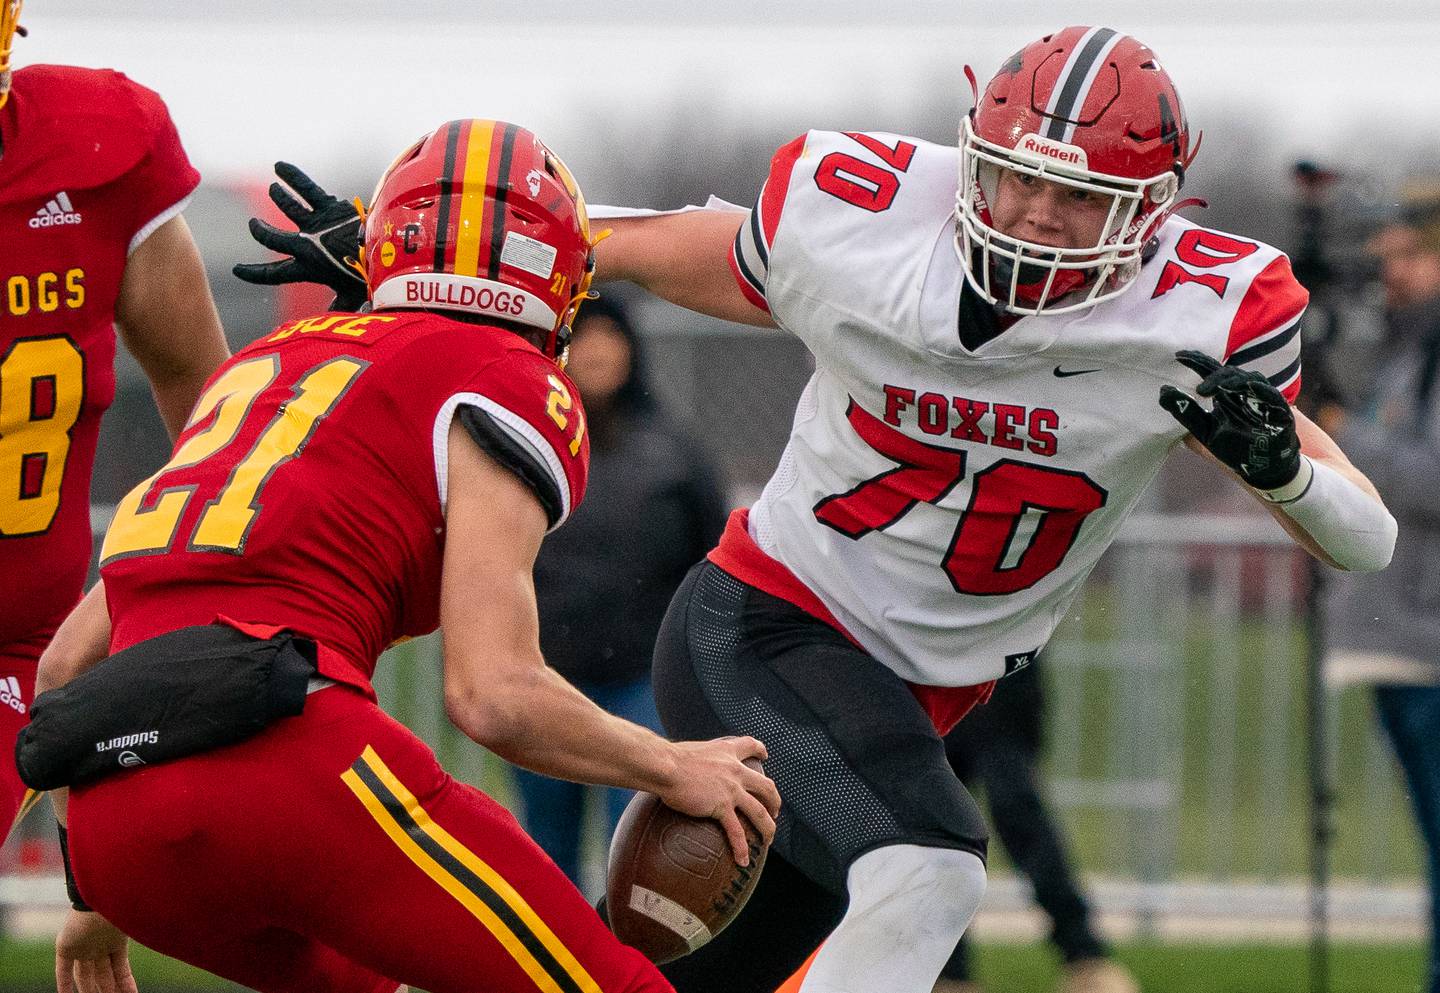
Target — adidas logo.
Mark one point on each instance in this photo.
(10, 694)
(56, 211)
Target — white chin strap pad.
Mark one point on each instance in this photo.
(908, 907)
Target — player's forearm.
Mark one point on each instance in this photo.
(1336, 517)
(534, 718)
(82, 640)
(175, 398)
(1331, 508)
(680, 257)
(168, 320)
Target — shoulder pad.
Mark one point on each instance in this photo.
(80, 128)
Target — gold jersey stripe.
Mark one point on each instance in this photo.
(429, 846)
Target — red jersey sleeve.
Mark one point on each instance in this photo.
(750, 255)
(1265, 334)
(158, 186)
(526, 414)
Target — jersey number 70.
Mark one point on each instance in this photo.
(1021, 522)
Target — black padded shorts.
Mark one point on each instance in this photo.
(855, 757)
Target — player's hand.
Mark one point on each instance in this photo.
(92, 956)
(1249, 427)
(721, 779)
(323, 248)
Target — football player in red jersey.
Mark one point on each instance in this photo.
(92, 182)
(346, 481)
(996, 328)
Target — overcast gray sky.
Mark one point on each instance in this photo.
(1332, 77)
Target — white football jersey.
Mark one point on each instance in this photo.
(946, 504)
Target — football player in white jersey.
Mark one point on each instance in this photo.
(991, 363)
(992, 359)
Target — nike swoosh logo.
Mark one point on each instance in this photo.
(1062, 373)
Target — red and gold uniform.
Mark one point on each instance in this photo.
(332, 852)
(90, 165)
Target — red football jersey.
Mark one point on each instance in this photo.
(90, 164)
(308, 490)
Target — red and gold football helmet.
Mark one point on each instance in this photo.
(1087, 108)
(479, 217)
(9, 25)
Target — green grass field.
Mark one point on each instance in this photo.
(27, 968)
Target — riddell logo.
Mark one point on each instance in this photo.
(1059, 151)
(55, 212)
(10, 694)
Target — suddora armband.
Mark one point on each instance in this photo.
(1351, 526)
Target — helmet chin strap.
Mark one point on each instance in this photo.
(1031, 274)
(1032, 279)
(565, 329)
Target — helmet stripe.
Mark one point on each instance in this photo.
(446, 183)
(502, 190)
(1073, 85)
(470, 229)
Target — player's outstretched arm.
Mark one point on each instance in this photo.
(683, 257)
(500, 692)
(168, 320)
(1288, 461)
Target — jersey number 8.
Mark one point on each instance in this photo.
(42, 391)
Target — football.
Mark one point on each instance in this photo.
(673, 883)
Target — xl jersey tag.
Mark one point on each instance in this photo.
(1020, 660)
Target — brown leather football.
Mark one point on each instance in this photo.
(673, 882)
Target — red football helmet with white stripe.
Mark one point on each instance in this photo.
(479, 217)
(1087, 108)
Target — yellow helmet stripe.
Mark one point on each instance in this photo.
(471, 233)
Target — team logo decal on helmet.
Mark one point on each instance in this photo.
(481, 218)
(1089, 109)
(9, 28)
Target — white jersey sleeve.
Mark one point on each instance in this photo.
(844, 228)
(1233, 298)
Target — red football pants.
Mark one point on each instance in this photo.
(18, 663)
(332, 852)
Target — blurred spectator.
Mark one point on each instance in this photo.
(603, 581)
(1322, 398)
(998, 748)
(1385, 627)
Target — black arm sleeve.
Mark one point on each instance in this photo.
(497, 443)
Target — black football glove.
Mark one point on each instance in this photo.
(323, 248)
(1250, 426)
